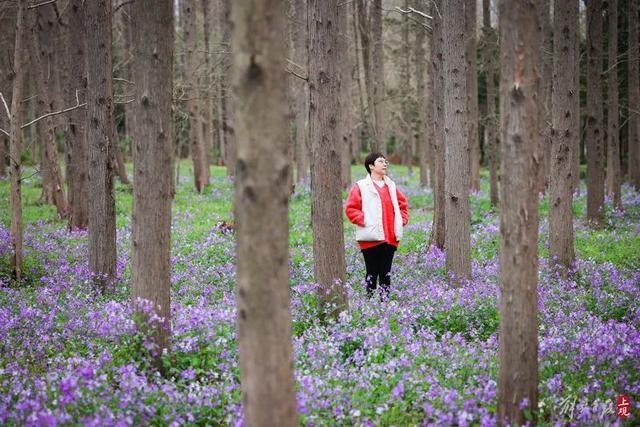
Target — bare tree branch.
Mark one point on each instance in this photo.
(44, 3)
(6, 107)
(54, 113)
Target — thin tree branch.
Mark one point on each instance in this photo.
(297, 75)
(6, 107)
(124, 3)
(44, 3)
(412, 10)
(54, 113)
(5, 132)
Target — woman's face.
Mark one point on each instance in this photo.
(379, 166)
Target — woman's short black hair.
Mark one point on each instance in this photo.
(371, 159)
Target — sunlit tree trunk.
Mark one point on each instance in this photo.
(519, 111)
(263, 169)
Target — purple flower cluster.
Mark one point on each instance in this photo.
(428, 355)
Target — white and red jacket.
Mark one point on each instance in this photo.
(379, 213)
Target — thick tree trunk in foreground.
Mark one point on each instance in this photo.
(613, 141)
(595, 125)
(326, 197)
(100, 135)
(470, 22)
(153, 163)
(264, 319)
(437, 144)
(491, 121)
(456, 184)
(562, 135)
(634, 96)
(45, 30)
(19, 60)
(519, 105)
(77, 158)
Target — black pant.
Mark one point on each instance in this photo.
(378, 261)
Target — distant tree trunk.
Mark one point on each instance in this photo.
(562, 134)
(344, 69)
(228, 107)
(613, 141)
(326, 197)
(406, 131)
(456, 184)
(595, 128)
(544, 150)
(118, 159)
(438, 228)
(209, 84)
(45, 31)
(423, 98)
(491, 148)
(19, 62)
(365, 30)
(153, 164)
(127, 36)
(633, 125)
(363, 127)
(77, 160)
(519, 108)
(102, 214)
(301, 93)
(264, 319)
(377, 73)
(470, 22)
(198, 151)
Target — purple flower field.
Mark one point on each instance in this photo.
(428, 356)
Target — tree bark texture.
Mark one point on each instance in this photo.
(633, 125)
(456, 184)
(544, 150)
(438, 227)
(208, 81)
(7, 43)
(45, 30)
(406, 131)
(228, 106)
(613, 132)
(519, 108)
(153, 163)
(77, 158)
(263, 169)
(324, 117)
(491, 44)
(365, 30)
(15, 140)
(377, 73)
(595, 121)
(100, 136)
(577, 125)
(196, 138)
(470, 22)
(422, 102)
(344, 68)
(301, 90)
(565, 91)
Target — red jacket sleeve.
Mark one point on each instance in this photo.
(403, 204)
(353, 207)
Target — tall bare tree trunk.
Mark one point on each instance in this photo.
(208, 80)
(19, 62)
(358, 75)
(422, 101)
(595, 125)
(198, 150)
(344, 69)
(102, 214)
(377, 73)
(634, 96)
(326, 197)
(264, 319)
(45, 31)
(577, 119)
(562, 134)
(77, 158)
(456, 184)
(519, 111)
(228, 110)
(613, 140)
(301, 91)
(491, 149)
(7, 43)
(470, 22)
(406, 131)
(153, 188)
(438, 228)
(544, 150)
(366, 33)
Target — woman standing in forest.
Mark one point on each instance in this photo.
(380, 211)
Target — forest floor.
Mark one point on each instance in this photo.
(428, 355)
